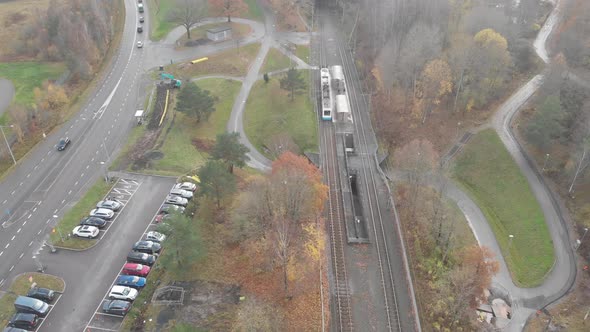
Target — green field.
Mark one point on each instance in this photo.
(72, 218)
(269, 112)
(180, 155)
(28, 75)
(275, 60)
(160, 27)
(488, 172)
(254, 12)
(302, 52)
(20, 286)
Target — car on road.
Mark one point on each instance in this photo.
(155, 236)
(24, 321)
(89, 232)
(186, 186)
(141, 258)
(131, 281)
(176, 200)
(109, 204)
(44, 294)
(170, 208)
(93, 221)
(102, 213)
(140, 29)
(139, 44)
(182, 193)
(141, 19)
(147, 247)
(30, 305)
(116, 307)
(133, 269)
(123, 293)
(63, 143)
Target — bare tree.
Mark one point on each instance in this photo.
(188, 13)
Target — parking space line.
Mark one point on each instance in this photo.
(49, 312)
(101, 328)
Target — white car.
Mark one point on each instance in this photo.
(176, 200)
(102, 213)
(139, 44)
(186, 186)
(182, 193)
(155, 236)
(89, 232)
(123, 293)
(109, 204)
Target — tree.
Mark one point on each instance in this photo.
(493, 56)
(229, 149)
(183, 243)
(195, 101)
(546, 124)
(187, 13)
(20, 117)
(228, 8)
(216, 181)
(266, 78)
(293, 82)
(52, 98)
(435, 82)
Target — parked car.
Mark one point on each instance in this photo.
(147, 247)
(116, 307)
(63, 143)
(155, 236)
(176, 200)
(110, 204)
(13, 329)
(141, 258)
(30, 305)
(139, 44)
(161, 217)
(169, 208)
(102, 213)
(182, 193)
(24, 321)
(93, 221)
(141, 19)
(186, 186)
(123, 293)
(131, 281)
(133, 269)
(89, 232)
(44, 294)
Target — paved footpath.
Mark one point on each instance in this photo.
(6, 94)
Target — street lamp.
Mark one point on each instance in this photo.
(5, 140)
(55, 216)
(582, 239)
(106, 176)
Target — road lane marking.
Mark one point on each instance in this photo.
(11, 268)
(31, 243)
(4, 202)
(54, 212)
(24, 223)
(12, 193)
(7, 245)
(18, 230)
(76, 183)
(34, 209)
(21, 255)
(82, 175)
(13, 237)
(20, 184)
(1, 253)
(63, 201)
(48, 220)
(70, 192)
(87, 166)
(29, 175)
(39, 232)
(30, 215)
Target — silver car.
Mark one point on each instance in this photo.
(109, 204)
(155, 236)
(176, 200)
(182, 193)
(102, 213)
(186, 186)
(89, 232)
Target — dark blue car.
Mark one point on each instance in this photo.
(131, 281)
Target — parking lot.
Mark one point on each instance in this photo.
(102, 321)
(51, 306)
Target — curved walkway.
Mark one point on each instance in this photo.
(562, 276)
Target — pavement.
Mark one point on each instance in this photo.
(6, 94)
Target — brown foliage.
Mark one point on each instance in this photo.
(228, 8)
(476, 267)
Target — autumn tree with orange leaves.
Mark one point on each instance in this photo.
(227, 8)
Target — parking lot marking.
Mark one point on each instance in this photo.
(51, 306)
(100, 328)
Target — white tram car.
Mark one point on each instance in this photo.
(326, 94)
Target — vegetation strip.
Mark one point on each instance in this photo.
(487, 171)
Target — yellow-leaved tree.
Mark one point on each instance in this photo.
(436, 82)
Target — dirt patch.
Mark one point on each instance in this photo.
(202, 299)
(203, 144)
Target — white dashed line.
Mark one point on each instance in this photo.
(13, 237)
(4, 202)
(87, 166)
(24, 223)
(18, 230)
(29, 217)
(54, 212)
(12, 193)
(20, 184)
(70, 192)
(7, 245)
(11, 268)
(1, 253)
(29, 175)
(39, 232)
(31, 243)
(81, 175)
(48, 220)
(21, 255)
(63, 201)
(75, 184)
(42, 159)
(36, 166)
(34, 209)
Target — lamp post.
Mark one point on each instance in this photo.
(104, 168)
(545, 163)
(57, 227)
(5, 140)
(583, 236)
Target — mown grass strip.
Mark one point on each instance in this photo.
(488, 172)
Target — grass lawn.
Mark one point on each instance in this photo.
(160, 27)
(269, 112)
(228, 62)
(302, 52)
(72, 218)
(180, 155)
(27, 75)
(238, 31)
(20, 286)
(254, 12)
(275, 60)
(496, 184)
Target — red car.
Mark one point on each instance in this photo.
(133, 269)
(161, 217)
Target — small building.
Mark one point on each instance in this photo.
(219, 33)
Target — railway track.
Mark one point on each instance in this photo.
(340, 295)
